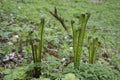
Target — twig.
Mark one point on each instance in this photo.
(61, 20)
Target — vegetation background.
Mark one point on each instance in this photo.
(20, 17)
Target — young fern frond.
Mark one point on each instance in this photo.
(93, 46)
(36, 45)
(78, 38)
(75, 40)
(41, 34)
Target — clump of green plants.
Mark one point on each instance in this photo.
(93, 46)
(95, 71)
(78, 38)
(36, 42)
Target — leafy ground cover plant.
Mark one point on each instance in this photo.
(70, 76)
(86, 71)
(95, 71)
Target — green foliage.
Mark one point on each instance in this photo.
(70, 76)
(116, 61)
(41, 78)
(21, 16)
(18, 73)
(93, 46)
(44, 78)
(78, 38)
(36, 46)
(36, 42)
(50, 67)
(93, 72)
